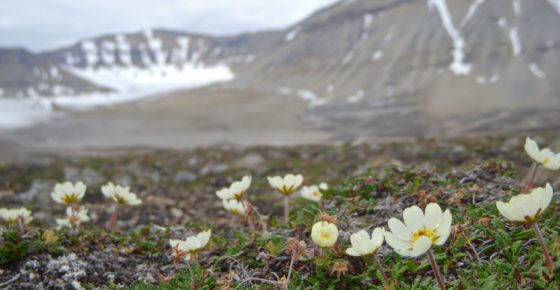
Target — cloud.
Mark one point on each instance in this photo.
(47, 24)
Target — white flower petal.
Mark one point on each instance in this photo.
(505, 210)
(529, 203)
(289, 180)
(377, 236)
(444, 228)
(399, 229)
(421, 246)
(532, 149)
(298, 180)
(352, 252)
(413, 218)
(433, 215)
(546, 196)
(395, 242)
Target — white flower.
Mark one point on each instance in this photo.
(68, 193)
(191, 245)
(73, 217)
(323, 186)
(13, 216)
(120, 194)
(286, 185)
(311, 192)
(419, 231)
(234, 206)
(236, 190)
(545, 157)
(324, 234)
(363, 245)
(526, 208)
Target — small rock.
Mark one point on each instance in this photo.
(72, 174)
(249, 161)
(92, 177)
(38, 193)
(154, 176)
(458, 149)
(123, 180)
(70, 267)
(176, 213)
(87, 175)
(184, 176)
(215, 168)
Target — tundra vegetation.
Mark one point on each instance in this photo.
(472, 213)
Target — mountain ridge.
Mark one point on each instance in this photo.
(390, 67)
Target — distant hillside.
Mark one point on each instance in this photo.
(374, 67)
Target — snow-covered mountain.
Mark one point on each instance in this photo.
(146, 62)
(392, 67)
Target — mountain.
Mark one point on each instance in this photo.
(121, 62)
(360, 68)
(407, 65)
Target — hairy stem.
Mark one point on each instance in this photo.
(436, 269)
(21, 225)
(380, 268)
(249, 219)
(540, 238)
(286, 209)
(533, 171)
(261, 221)
(291, 267)
(473, 249)
(112, 219)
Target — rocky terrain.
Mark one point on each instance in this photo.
(369, 184)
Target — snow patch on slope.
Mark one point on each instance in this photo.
(536, 70)
(312, 99)
(470, 13)
(458, 66)
(556, 4)
(163, 77)
(368, 19)
(292, 34)
(17, 113)
(515, 43)
(516, 7)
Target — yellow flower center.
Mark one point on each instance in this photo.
(545, 161)
(235, 211)
(426, 233)
(287, 190)
(532, 219)
(119, 199)
(70, 198)
(239, 195)
(325, 235)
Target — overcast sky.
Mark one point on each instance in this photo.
(45, 24)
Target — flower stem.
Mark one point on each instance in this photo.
(112, 219)
(286, 209)
(473, 249)
(291, 267)
(380, 268)
(21, 225)
(436, 269)
(533, 171)
(249, 220)
(540, 238)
